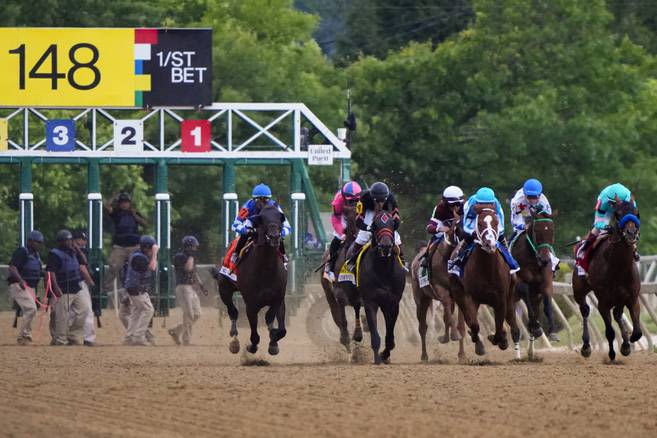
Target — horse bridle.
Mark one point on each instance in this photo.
(382, 232)
(488, 229)
(620, 225)
(531, 239)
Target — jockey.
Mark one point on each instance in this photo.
(349, 194)
(484, 195)
(377, 198)
(260, 197)
(529, 197)
(604, 212)
(444, 212)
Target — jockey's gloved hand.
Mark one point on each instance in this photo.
(250, 231)
(215, 272)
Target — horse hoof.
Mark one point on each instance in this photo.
(480, 350)
(586, 350)
(358, 335)
(424, 357)
(537, 333)
(377, 360)
(386, 361)
(625, 349)
(612, 356)
(252, 349)
(273, 349)
(455, 335)
(492, 339)
(444, 339)
(233, 333)
(636, 336)
(234, 346)
(385, 355)
(503, 344)
(344, 339)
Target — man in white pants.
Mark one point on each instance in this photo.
(138, 284)
(63, 269)
(186, 296)
(24, 276)
(80, 245)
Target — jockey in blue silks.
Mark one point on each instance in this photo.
(484, 195)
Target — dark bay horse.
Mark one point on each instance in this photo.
(487, 280)
(438, 289)
(532, 250)
(338, 295)
(614, 278)
(381, 283)
(262, 281)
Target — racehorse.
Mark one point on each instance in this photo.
(262, 281)
(381, 282)
(438, 289)
(532, 250)
(487, 280)
(339, 295)
(614, 278)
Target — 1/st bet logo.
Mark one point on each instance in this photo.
(182, 71)
(195, 136)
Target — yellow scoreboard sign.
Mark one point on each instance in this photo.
(3, 134)
(96, 67)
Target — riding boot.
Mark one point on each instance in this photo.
(504, 249)
(238, 248)
(581, 252)
(455, 263)
(352, 255)
(333, 255)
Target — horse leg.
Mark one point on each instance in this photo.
(461, 329)
(421, 311)
(358, 328)
(585, 310)
(513, 324)
(454, 333)
(499, 338)
(533, 311)
(635, 311)
(370, 314)
(252, 315)
(472, 316)
(337, 312)
(390, 314)
(605, 311)
(618, 316)
(226, 295)
(273, 332)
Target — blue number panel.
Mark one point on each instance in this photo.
(60, 135)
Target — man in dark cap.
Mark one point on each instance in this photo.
(24, 276)
(187, 278)
(126, 236)
(139, 285)
(63, 268)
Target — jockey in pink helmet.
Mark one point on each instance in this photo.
(349, 195)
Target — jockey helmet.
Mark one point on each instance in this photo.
(189, 241)
(351, 190)
(532, 187)
(485, 195)
(261, 191)
(64, 235)
(453, 195)
(620, 191)
(147, 241)
(380, 192)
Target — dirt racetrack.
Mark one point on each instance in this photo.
(311, 390)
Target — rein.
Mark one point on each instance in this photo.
(533, 245)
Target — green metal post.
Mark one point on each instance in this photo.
(298, 197)
(163, 237)
(95, 233)
(345, 170)
(312, 203)
(26, 200)
(231, 202)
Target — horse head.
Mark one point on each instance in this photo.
(349, 213)
(541, 235)
(486, 227)
(383, 230)
(269, 223)
(627, 220)
(454, 233)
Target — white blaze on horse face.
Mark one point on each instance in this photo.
(490, 234)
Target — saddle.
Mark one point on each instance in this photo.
(347, 276)
(228, 268)
(584, 262)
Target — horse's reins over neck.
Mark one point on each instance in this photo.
(532, 238)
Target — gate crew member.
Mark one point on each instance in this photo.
(139, 284)
(24, 275)
(63, 267)
(125, 240)
(80, 245)
(186, 296)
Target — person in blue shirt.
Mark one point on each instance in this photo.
(261, 196)
(484, 195)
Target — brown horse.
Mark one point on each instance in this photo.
(262, 281)
(438, 289)
(338, 295)
(532, 250)
(487, 280)
(614, 278)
